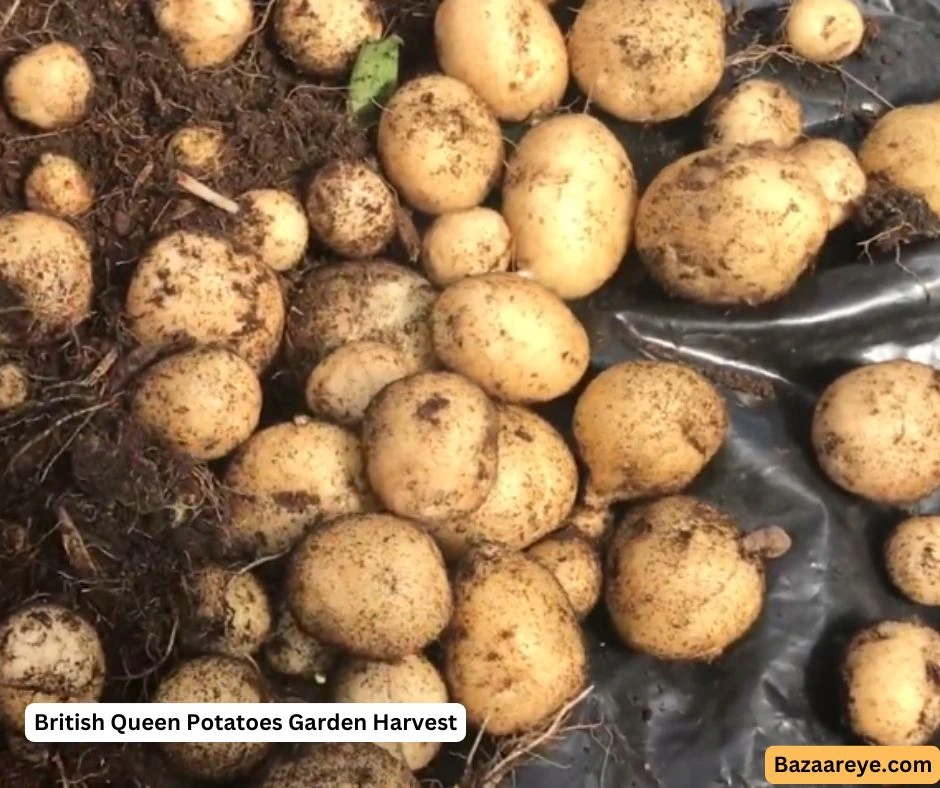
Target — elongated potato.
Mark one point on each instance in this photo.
(510, 335)
(569, 197)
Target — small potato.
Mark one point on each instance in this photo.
(648, 62)
(341, 386)
(535, 488)
(912, 557)
(288, 477)
(46, 282)
(50, 87)
(890, 682)
(824, 31)
(292, 652)
(409, 680)
(341, 766)
(593, 524)
(14, 386)
(876, 431)
(203, 403)
(273, 227)
(838, 174)
(511, 52)
(58, 185)
(756, 111)
(575, 565)
(647, 428)
(569, 197)
(440, 145)
(322, 37)
(430, 443)
(374, 585)
(205, 33)
(466, 243)
(191, 285)
(48, 654)
(351, 209)
(229, 612)
(514, 653)
(731, 225)
(198, 149)
(214, 679)
(510, 335)
(373, 301)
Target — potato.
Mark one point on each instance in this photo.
(288, 477)
(199, 149)
(756, 111)
(510, 335)
(430, 446)
(48, 654)
(339, 576)
(720, 227)
(535, 488)
(14, 386)
(648, 63)
(646, 428)
(202, 403)
(323, 37)
(351, 209)
(50, 87)
(512, 665)
(46, 282)
(682, 580)
(824, 31)
(465, 243)
(440, 145)
(890, 683)
(876, 431)
(591, 523)
(58, 185)
(273, 227)
(838, 174)
(912, 557)
(569, 197)
(409, 680)
(292, 652)
(374, 301)
(228, 612)
(205, 33)
(575, 565)
(194, 286)
(214, 679)
(510, 52)
(341, 766)
(341, 386)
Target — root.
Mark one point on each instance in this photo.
(197, 189)
(8, 16)
(754, 57)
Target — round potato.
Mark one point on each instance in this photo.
(14, 386)
(756, 111)
(876, 431)
(205, 33)
(510, 335)
(440, 145)
(50, 87)
(374, 585)
(824, 31)
(466, 243)
(273, 227)
(912, 557)
(731, 225)
(292, 652)
(58, 185)
(430, 442)
(648, 63)
(341, 766)
(838, 174)
(576, 566)
(569, 197)
(200, 149)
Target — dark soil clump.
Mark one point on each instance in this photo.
(896, 216)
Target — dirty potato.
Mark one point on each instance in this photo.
(755, 112)
(341, 766)
(465, 243)
(576, 566)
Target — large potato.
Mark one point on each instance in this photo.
(195, 286)
(876, 431)
(535, 488)
(647, 428)
(513, 653)
(648, 62)
(440, 145)
(430, 444)
(731, 225)
(373, 584)
(569, 197)
(341, 766)
(45, 278)
(511, 52)
(510, 335)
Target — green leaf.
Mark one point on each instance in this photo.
(374, 78)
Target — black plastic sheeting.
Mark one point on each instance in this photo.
(692, 726)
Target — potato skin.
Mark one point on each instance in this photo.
(512, 665)
(717, 226)
(647, 428)
(374, 585)
(273, 227)
(50, 87)
(679, 586)
(824, 31)
(206, 33)
(756, 111)
(59, 186)
(648, 63)
(912, 558)
(576, 566)
(838, 174)
(466, 243)
(341, 766)
(510, 335)
(876, 431)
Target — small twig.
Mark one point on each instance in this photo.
(867, 88)
(60, 767)
(190, 184)
(8, 17)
